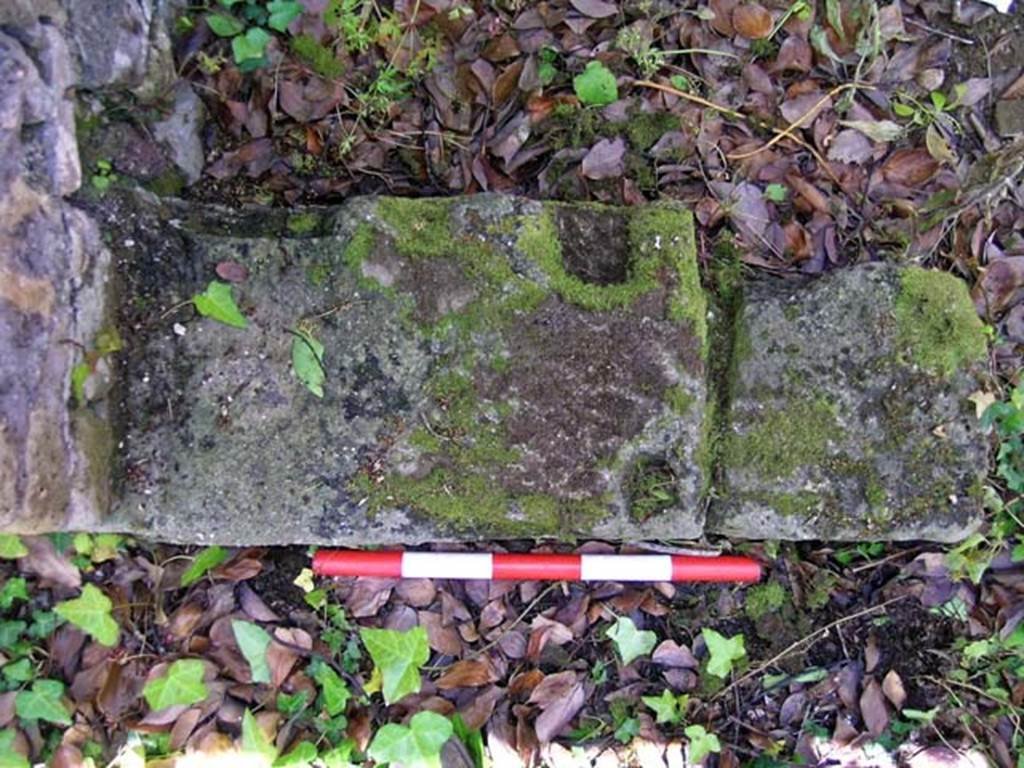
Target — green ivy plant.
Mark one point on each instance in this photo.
(182, 684)
(397, 658)
(218, 303)
(724, 652)
(244, 22)
(630, 642)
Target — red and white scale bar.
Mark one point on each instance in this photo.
(542, 567)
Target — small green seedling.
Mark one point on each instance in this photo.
(103, 176)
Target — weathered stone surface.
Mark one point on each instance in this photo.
(494, 367)
(850, 417)
(53, 464)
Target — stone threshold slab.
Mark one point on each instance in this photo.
(496, 367)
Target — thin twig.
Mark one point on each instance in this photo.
(788, 131)
(940, 32)
(804, 641)
(739, 115)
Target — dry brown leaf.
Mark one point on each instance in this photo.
(183, 728)
(476, 713)
(232, 271)
(419, 593)
(67, 756)
(524, 683)
(558, 712)
(874, 709)
(442, 639)
(595, 9)
(44, 561)
(7, 708)
(254, 606)
(468, 673)
(752, 21)
(909, 167)
(280, 659)
(671, 654)
(552, 688)
(185, 620)
(892, 687)
(368, 596)
(239, 570)
(721, 19)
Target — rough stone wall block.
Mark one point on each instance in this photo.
(53, 274)
(850, 416)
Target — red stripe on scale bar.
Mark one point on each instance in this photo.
(540, 567)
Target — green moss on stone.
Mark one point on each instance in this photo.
(937, 322)
(359, 247)
(664, 235)
(303, 223)
(421, 226)
(652, 489)
(799, 504)
(660, 237)
(784, 439)
(679, 400)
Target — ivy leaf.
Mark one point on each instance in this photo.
(702, 743)
(182, 685)
(596, 86)
(724, 651)
(630, 642)
(282, 13)
(223, 25)
(416, 746)
(90, 612)
(13, 589)
(248, 48)
(335, 692)
(255, 740)
(8, 757)
(398, 656)
(253, 640)
(666, 706)
(20, 671)
(217, 302)
(11, 546)
(302, 754)
(10, 631)
(205, 561)
(43, 702)
(308, 361)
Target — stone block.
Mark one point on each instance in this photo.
(849, 415)
(494, 367)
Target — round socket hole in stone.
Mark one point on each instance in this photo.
(651, 488)
(595, 243)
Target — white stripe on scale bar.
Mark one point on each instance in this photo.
(447, 565)
(626, 568)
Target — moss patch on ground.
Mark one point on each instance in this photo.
(937, 322)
